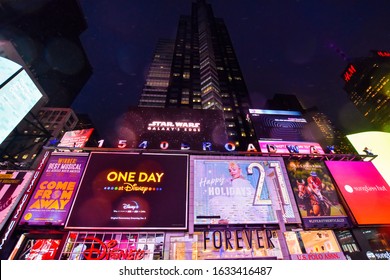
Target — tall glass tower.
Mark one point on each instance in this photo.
(204, 73)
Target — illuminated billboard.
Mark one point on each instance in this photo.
(36, 247)
(76, 138)
(316, 195)
(12, 185)
(378, 143)
(172, 129)
(365, 191)
(283, 132)
(18, 95)
(280, 125)
(284, 147)
(132, 191)
(238, 190)
(55, 191)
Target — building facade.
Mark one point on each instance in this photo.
(367, 85)
(204, 73)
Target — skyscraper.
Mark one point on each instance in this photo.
(204, 73)
(367, 85)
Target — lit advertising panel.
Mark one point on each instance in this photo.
(280, 125)
(378, 143)
(172, 129)
(314, 245)
(284, 147)
(36, 247)
(316, 195)
(56, 188)
(132, 191)
(17, 97)
(76, 138)
(12, 185)
(365, 191)
(113, 246)
(237, 190)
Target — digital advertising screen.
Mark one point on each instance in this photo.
(54, 193)
(36, 247)
(17, 97)
(172, 129)
(238, 190)
(76, 138)
(12, 185)
(365, 191)
(288, 147)
(376, 142)
(113, 246)
(280, 125)
(316, 195)
(132, 191)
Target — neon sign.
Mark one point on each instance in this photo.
(349, 73)
(383, 53)
(109, 251)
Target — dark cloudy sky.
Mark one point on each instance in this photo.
(290, 47)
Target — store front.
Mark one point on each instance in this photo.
(228, 243)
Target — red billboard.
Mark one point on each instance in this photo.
(316, 195)
(54, 193)
(132, 191)
(238, 190)
(365, 191)
(76, 138)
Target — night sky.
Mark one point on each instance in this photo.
(288, 47)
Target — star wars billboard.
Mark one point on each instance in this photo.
(238, 190)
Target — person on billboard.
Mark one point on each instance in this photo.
(237, 206)
(317, 203)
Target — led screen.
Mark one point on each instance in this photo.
(12, 185)
(234, 190)
(378, 143)
(316, 195)
(365, 191)
(17, 97)
(172, 129)
(75, 138)
(54, 193)
(128, 191)
(279, 125)
(284, 147)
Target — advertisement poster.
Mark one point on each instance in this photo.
(237, 190)
(12, 185)
(314, 245)
(76, 138)
(54, 193)
(113, 246)
(172, 129)
(365, 191)
(36, 247)
(132, 191)
(316, 195)
(288, 147)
